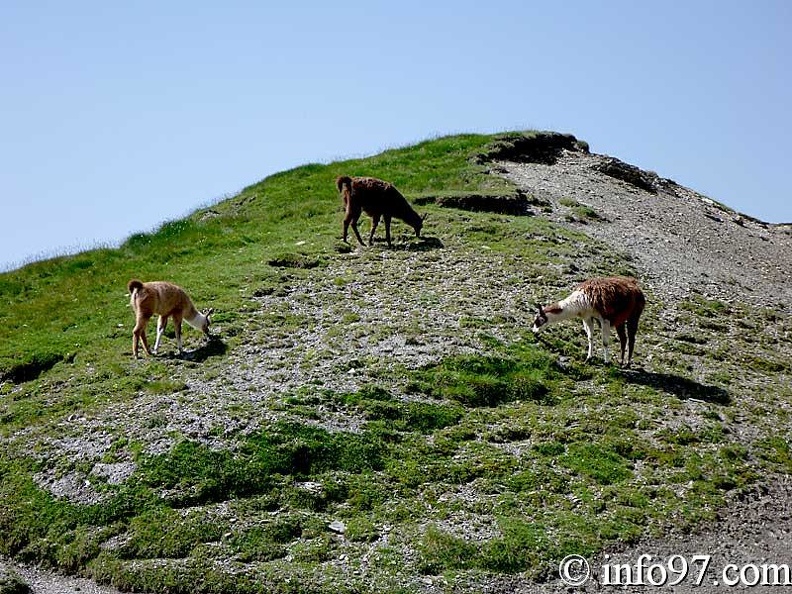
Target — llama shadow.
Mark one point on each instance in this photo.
(214, 347)
(681, 387)
(420, 244)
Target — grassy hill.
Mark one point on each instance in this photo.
(368, 419)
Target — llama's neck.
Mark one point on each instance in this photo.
(573, 306)
(197, 320)
(411, 217)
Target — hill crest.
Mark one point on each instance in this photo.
(683, 240)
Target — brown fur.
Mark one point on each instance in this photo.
(616, 298)
(619, 300)
(165, 300)
(378, 199)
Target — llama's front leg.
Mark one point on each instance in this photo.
(605, 338)
(588, 324)
(139, 335)
(162, 321)
(622, 332)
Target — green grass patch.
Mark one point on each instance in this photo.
(707, 308)
(579, 212)
(12, 583)
(475, 381)
(291, 260)
(267, 541)
(605, 466)
(193, 473)
(29, 366)
(376, 404)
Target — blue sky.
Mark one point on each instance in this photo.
(116, 116)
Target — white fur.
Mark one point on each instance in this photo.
(197, 322)
(577, 305)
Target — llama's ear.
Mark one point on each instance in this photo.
(540, 308)
(209, 312)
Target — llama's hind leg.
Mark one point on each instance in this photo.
(387, 230)
(139, 335)
(177, 323)
(620, 330)
(351, 218)
(346, 230)
(632, 329)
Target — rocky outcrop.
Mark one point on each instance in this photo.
(631, 174)
(532, 147)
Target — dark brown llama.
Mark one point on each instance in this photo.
(378, 199)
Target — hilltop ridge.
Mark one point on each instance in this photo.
(681, 239)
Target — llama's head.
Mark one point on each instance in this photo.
(416, 222)
(540, 320)
(545, 315)
(206, 320)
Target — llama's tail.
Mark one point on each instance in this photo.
(344, 185)
(134, 285)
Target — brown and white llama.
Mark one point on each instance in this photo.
(165, 300)
(615, 301)
(378, 199)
